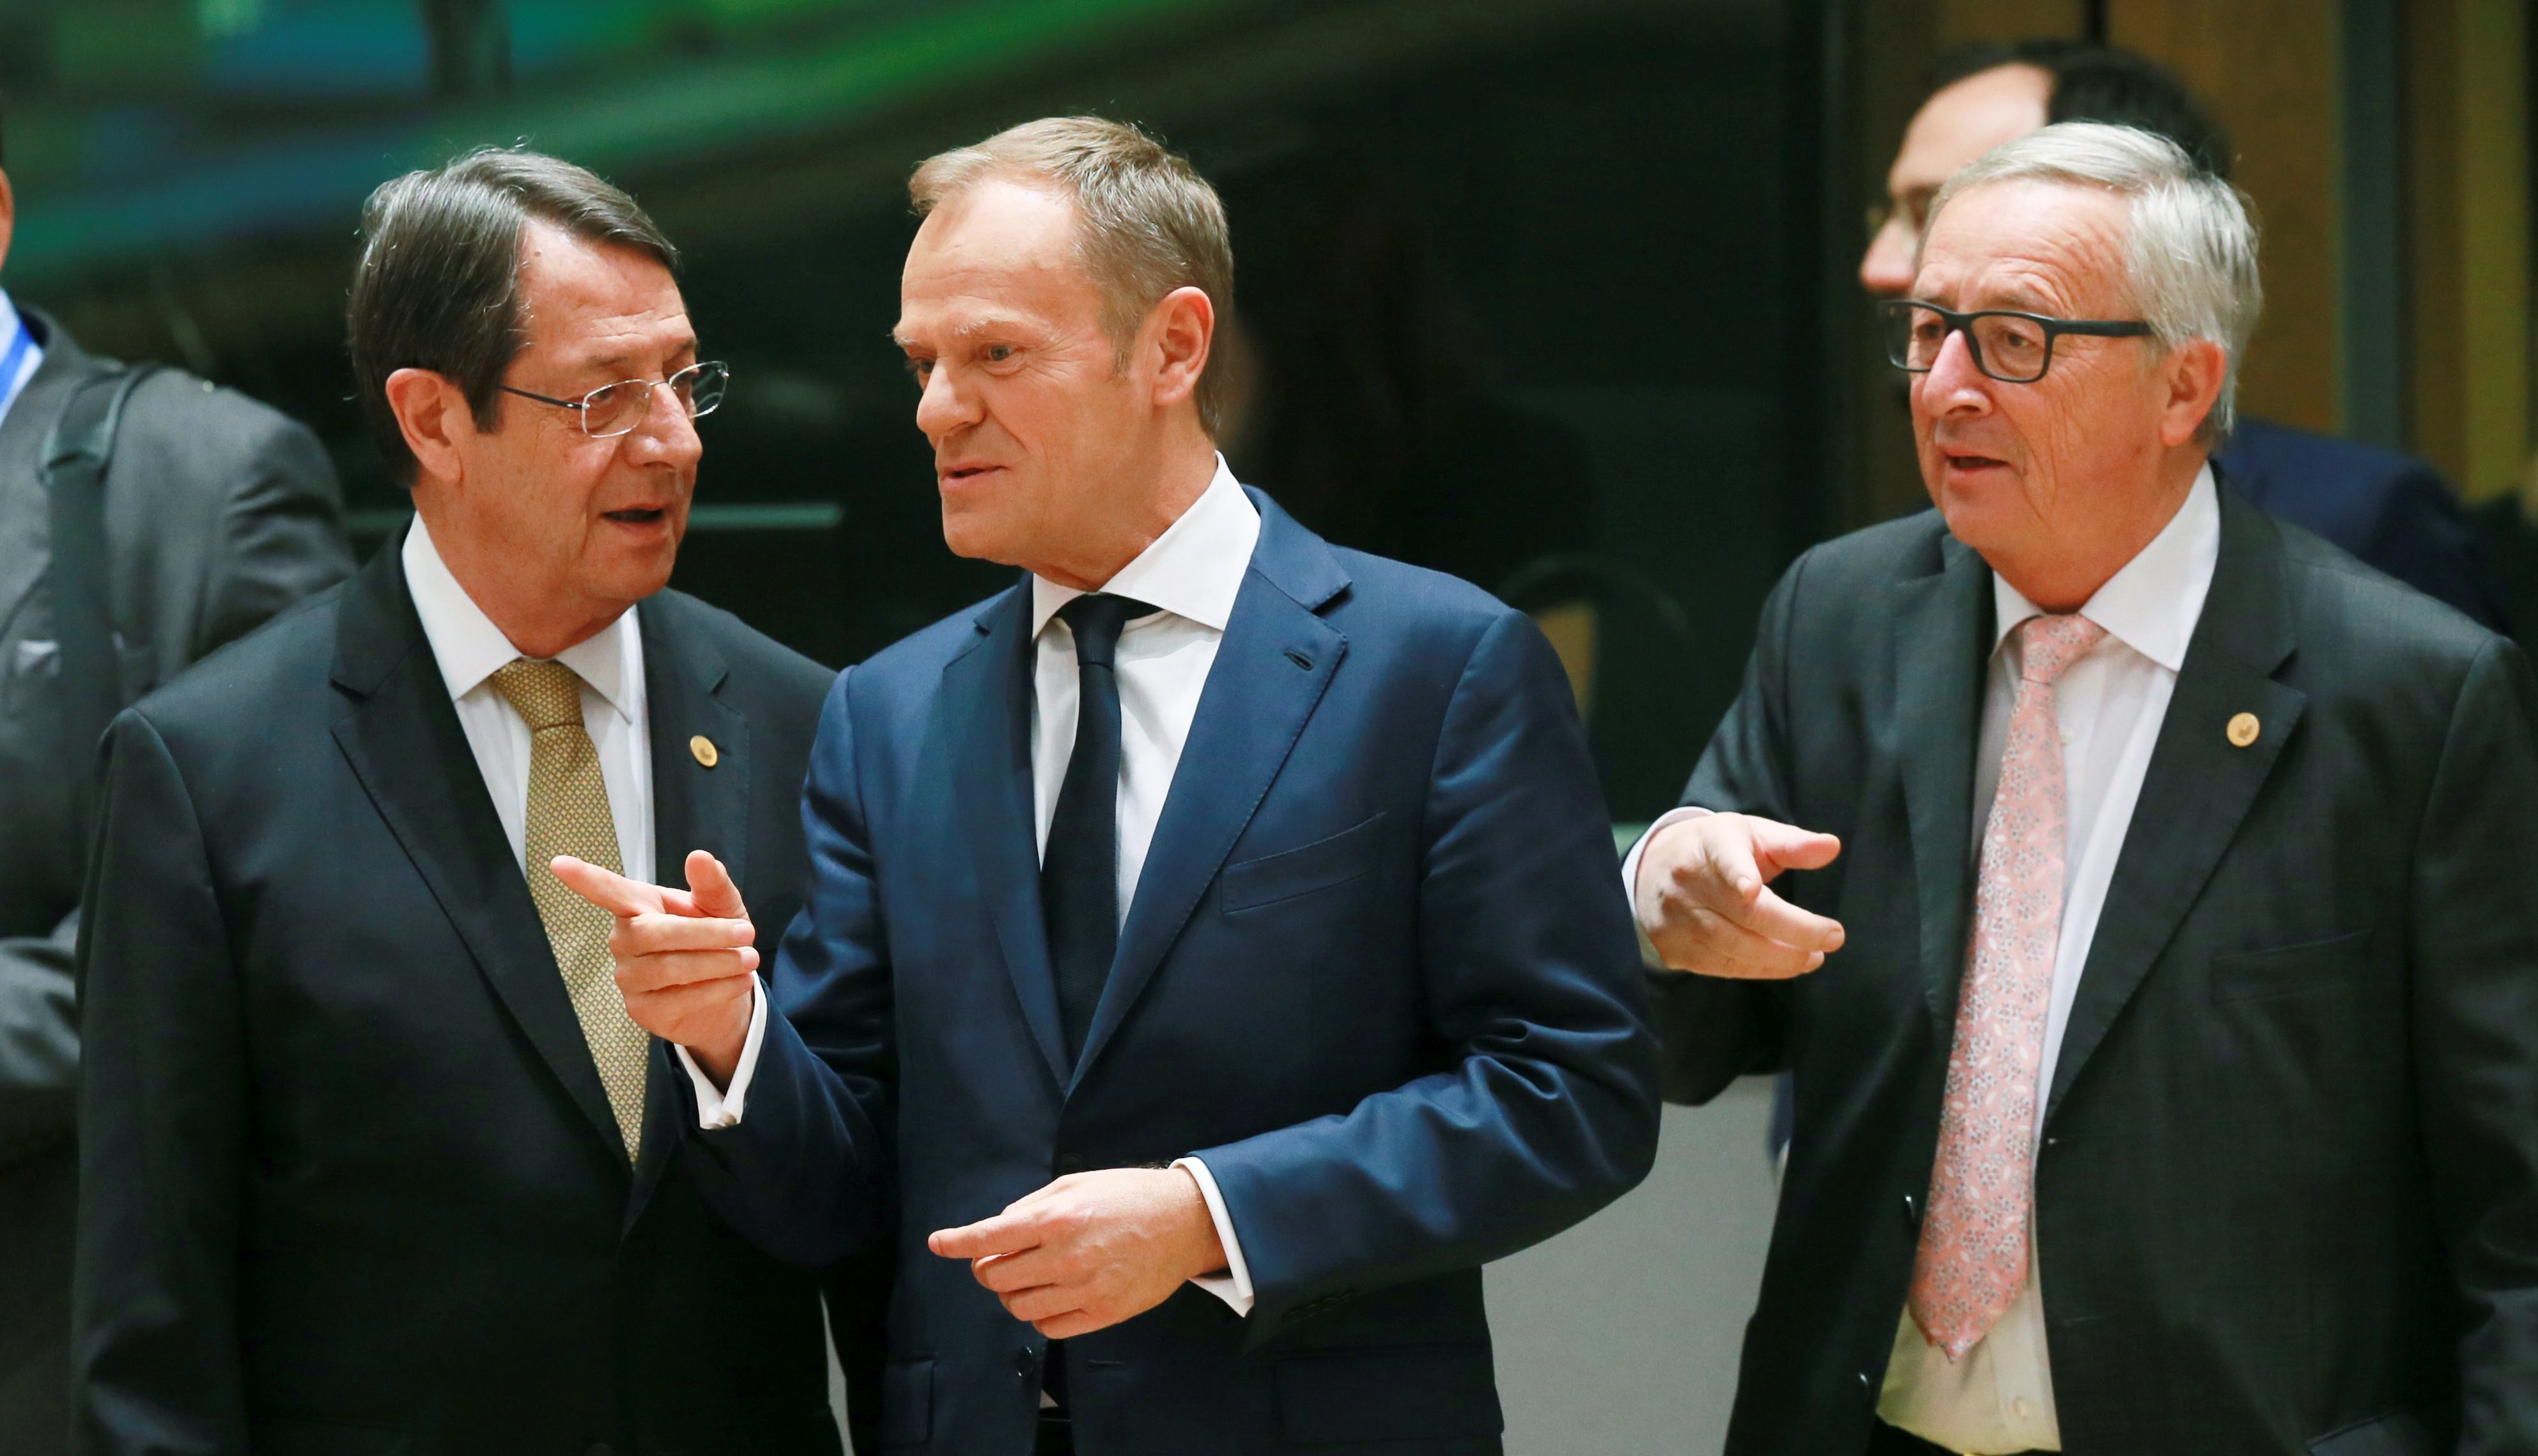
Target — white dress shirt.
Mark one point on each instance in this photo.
(2110, 705)
(1192, 573)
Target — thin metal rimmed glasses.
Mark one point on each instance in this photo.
(2011, 347)
(621, 408)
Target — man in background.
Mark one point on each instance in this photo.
(2390, 509)
(371, 1158)
(213, 514)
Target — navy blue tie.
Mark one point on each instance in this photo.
(1079, 870)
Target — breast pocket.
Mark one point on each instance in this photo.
(1321, 865)
(2304, 970)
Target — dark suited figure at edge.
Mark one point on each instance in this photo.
(214, 513)
(1210, 937)
(2139, 889)
(371, 1159)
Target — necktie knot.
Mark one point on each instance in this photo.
(545, 695)
(1096, 621)
(2048, 645)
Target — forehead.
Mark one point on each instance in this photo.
(1962, 120)
(2049, 247)
(998, 246)
(584, 296)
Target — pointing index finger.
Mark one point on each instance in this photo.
(606, 889)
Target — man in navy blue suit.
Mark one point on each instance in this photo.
(1210, 958)
(2390, 509)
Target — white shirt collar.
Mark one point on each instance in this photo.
(2151, 605)
(469, 647)
(1193, 571)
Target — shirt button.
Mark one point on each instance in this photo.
(2019, 1408)
(2070, 736)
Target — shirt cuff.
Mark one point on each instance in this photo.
(1648, 955)
(719, 1109)
(1233, 1286)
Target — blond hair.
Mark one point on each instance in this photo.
(1147, 223)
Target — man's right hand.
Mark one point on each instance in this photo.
(1703, 898)
(685, 958)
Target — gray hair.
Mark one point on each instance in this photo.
(438, 282)
(1147, 223)
(2192, 248)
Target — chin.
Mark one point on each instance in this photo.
(978, 537)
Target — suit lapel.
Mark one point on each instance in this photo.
(1943, 625)
(26, 531)
(693, 807)
(984, 713)
(2199, 786)
(1271, 669)
(402, 738)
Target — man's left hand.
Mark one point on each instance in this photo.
(1092, 1249)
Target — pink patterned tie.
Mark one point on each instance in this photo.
(1973, 1258)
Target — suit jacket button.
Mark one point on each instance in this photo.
(1911, 1210)
(1025, 1363)
(1865, 1383)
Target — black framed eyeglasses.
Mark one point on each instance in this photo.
(2011, 347)
(621, 408)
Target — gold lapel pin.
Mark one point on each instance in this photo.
(707, 754)
(2243, 730)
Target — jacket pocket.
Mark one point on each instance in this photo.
(292, 1435)
(1320, 865)
(1388, 1393)
(906, 1403)
(2291, 971)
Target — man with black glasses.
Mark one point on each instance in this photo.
(2139, 890)
(372, 1158)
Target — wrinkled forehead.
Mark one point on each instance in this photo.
(586, 301)
(2041, 246)
(995, 247)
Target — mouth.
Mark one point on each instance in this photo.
(962, 475)
(649, 515)
(1967, 462)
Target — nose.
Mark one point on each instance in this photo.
(1886, 269)
(943, 405)
(1953, 384)
(668, 434)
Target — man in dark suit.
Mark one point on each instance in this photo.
(2390, 509)
(2161, 993)
(216, 513)
(371, 1159)
(1208, 939)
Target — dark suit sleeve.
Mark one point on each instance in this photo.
(281, 533)
(162, 1112)
(1547, 1109)
(2474, 928)
(39, 1040)
(804, 1175)
(1714, 1031)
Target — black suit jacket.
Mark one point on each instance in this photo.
(2287, 1194)
(349, 1179)
(219, 513)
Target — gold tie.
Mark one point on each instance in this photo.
(568, 814)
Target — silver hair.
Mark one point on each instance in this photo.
(2191, 250)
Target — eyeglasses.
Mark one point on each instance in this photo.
(617, 408)
(2013, 348)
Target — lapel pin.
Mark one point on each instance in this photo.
(2243, 730)
(707, 754)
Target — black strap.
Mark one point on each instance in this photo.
(76, 456)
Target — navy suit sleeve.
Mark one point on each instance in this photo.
(1548, 1110)
(2420, 536)
(162, 1127)
(803, 1175)
(1714, 1031)
(2474, 932)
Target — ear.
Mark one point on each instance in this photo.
(2192, 376)
(433, 413)
(8, 216)
(1179, 332)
